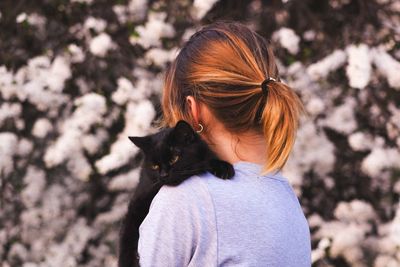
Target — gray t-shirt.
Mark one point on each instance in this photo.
(250, 220)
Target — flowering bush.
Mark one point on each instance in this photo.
(78, 76)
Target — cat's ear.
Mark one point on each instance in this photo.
(183, 133)
(141, 142)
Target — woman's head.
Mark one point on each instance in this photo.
(222, 67)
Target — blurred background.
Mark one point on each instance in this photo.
(78, 76)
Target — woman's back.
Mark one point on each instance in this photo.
(250, 220)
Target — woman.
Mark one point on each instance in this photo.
(225, 82)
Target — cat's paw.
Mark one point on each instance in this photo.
(222, 169)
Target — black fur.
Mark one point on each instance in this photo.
(179, 153)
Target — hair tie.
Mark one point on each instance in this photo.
(264, 85)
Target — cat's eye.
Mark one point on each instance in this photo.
(155, 167)
(174, 159)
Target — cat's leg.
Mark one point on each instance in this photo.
(221, 169)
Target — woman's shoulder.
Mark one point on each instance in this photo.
(191, 192)
(200, 190)
(204, 185)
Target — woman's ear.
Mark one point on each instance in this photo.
(194, 108)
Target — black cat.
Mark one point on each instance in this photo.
(170, 157)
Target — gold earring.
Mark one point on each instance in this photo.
(201, 128)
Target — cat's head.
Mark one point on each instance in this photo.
(170, 152)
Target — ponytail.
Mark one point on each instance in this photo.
(280, 122)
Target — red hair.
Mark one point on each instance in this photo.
(222, 66)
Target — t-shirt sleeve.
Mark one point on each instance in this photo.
(177, 228)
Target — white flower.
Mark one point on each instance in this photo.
(315, 220)
(116, 213)
(8, 147)
(101, 44)
(300, 81)
(18, 251)
(315, 106)
(342, 118)
(9, 110)
(25, 147)
(201, 7)
(151, 33)
(135, 11)
(121, 12)
(36, 20)
(65, 253)
(95, 23)
(40, 82)
(92, 143)
(38, 63)
(319, 252)
(385, 260)
(138, 118)
(288, 39)
(90, 110)
(387, 65)
(21, 17)
(160, 57)
(359, 68)
(187, 34)
(35, 93)
(35, 181)
(125, 181)
(380, 159)
(355, 211)
(146, 85)
(65, 146)
(322, 68)
(309, 35)
(393, 124)
(124, 91)
(59, 72)
(79, 166)
(77, 54)
(345, 239)
(7, 88)
(395, 227)
(360, 141)
(306, 154)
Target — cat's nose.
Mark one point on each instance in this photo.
(163, 174)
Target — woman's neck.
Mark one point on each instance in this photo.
(250, 146)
